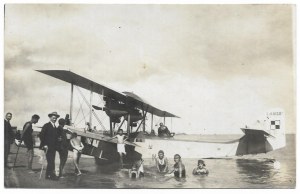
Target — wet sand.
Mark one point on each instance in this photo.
(19, 176)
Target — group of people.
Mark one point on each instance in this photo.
(53, 139)
(178, 168)
(162, 166)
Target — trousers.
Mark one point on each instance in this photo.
(50, 156)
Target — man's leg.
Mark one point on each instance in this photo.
(6, 152)
(50, 162)
(48, 171)
(75, 159)
(63, 155)
(30, 158)
(121, 159)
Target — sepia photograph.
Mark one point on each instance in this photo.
(149, 96)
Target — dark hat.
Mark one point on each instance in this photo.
(53, 114)
(201, 162)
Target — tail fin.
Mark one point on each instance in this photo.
(275, 125)
(263, 137)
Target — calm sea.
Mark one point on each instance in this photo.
(255, 171)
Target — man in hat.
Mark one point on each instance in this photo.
(48, 137)
(9, 137)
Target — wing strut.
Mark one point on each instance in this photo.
(71, 103)
(85, 100)
(151, 121)
(121, 124)
(128, 125)
(90, 106)
(110, 127)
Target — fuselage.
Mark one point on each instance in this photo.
(185, 148)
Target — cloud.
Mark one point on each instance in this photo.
(213, 65)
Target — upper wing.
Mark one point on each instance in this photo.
(85, 83)
(126, 97)
(143, 105)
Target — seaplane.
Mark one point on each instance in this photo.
(129, 108)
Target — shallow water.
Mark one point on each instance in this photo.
(255, 171)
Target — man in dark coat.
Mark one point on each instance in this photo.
(8, 137)
(48, 137)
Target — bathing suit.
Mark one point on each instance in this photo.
(176, 170)
(161, 164)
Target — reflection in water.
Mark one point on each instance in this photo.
(224, 173)
(256, 171)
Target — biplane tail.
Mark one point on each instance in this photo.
(276, 128)
(264, 136)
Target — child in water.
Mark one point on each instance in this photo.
(77, 149)
(179, 168)
(161, 162)
(121, 144)
(200, 169)
(137, 170)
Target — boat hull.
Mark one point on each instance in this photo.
(186, 149)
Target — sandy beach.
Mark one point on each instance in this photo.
(19, 176)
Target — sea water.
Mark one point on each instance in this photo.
(276, 169)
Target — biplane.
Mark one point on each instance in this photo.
(131, 109)
(121, 108)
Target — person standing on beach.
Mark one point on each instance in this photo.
(77, 149)
(121, 138)
(62, 145)
(29, 139)
(8, 137)
(48, 137)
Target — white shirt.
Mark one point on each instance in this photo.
(53, 124)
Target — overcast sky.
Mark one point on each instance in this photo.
(217, 67)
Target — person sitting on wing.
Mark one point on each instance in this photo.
(200, 169)
(161, 162)
(163, 130)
